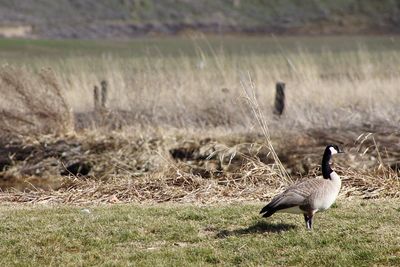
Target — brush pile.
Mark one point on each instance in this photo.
(113, 168)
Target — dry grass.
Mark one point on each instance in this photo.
(127, 169)
(332, 91)
(324, 88)
(32, 102)
(188, 188)
(331, 98)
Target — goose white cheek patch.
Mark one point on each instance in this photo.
(333, 151)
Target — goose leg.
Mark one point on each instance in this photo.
(310, 217)
(308, 220)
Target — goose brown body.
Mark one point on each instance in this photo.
(309, 196)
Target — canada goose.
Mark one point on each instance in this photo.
(309, 196)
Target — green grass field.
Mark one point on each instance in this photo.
(353, 233)
(10, 49)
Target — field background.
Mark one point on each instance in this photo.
(178, 128)
(174, 168)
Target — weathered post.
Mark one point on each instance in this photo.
(104, 93)
(96, 97)
(279, 99)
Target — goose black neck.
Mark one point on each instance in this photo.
(326, 168)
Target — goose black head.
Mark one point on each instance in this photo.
(333, 149)
(329, 151)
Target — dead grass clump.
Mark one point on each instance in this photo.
(169, 185)
(252, 182)
(380, 182)
(32, 102)
(193, 168)
(99, 157)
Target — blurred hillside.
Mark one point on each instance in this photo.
(129, 18)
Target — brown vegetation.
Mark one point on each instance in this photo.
(188, 130)
(32, 102)
(163, 168)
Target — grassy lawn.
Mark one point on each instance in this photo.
(354, 232)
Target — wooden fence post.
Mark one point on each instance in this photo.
(96, 97)
(104, 93)
(279, 98)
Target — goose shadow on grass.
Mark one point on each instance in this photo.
(257, 228)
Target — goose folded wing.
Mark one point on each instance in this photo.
(285, 200)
